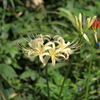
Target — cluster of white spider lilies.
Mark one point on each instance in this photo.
(56, 49)
(45, 49)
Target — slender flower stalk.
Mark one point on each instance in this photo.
(48, 89)
(88, 78)
(62, 86)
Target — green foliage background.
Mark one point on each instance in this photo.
(25, 77)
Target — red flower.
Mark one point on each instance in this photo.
(96, 24)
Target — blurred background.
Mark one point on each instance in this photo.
(22, 78)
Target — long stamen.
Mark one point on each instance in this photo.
(29, 36)
(24, 38)
(33, 36)
(79, 51)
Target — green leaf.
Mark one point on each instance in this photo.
(16, 65)
(44, 85)
(33, 76)
(58, 65)
(20, 2)
(41, 85)
(12, 3)
(2, 91)
(27, 74)
(59, 23)
(93, 97)
(5, 4)
(7, 71)
(5, 29)
(66, 13)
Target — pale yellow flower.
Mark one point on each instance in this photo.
(37, 48)
(79, 23)
(64, 47)
(54, 54)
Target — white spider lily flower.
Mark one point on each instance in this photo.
(54, 54)
(39, 41)
(61, 42)
(39, 50)
(64, 47)
(37, 47)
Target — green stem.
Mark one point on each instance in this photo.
(59, 98)
(2, 92)
(46, 72)
(88, 79)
